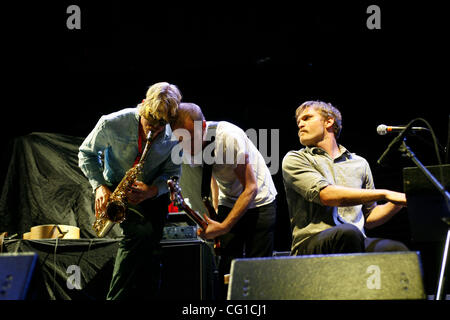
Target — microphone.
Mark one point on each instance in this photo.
(395, 143)
(383, 129)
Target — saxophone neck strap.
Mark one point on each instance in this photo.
(140, 134)
(207, 168)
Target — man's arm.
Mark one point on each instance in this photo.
(214, 193)
(244, 173)
(88, 161)
(88, 155)
(381, 213)
(338, 196)
(300, 176)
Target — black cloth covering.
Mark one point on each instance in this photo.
(44, 185)
(94, 258)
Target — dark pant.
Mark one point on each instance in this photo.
(252, 236)
(345, 238)
(137, 269)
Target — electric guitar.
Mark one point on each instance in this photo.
(177, 199)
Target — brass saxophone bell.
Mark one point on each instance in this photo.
(115, 211)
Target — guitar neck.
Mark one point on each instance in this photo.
(195, 216)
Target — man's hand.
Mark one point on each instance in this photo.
(102, 194)
(213, 230)
(397, 198)
(140, 192)
(383, 212)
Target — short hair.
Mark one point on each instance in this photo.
(161, 101)
(327, 110)
(187, 110)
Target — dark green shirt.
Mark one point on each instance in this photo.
(309, 170)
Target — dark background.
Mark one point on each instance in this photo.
(248, 63)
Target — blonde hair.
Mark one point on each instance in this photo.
(161, 102)
(327, 110)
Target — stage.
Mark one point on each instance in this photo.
(81, 269)
(67, 63)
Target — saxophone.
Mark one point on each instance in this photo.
(116, 205)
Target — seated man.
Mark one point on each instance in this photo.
(330, 191)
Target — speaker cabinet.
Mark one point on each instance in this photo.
(365, 276)
(16, 271)
(188, 271)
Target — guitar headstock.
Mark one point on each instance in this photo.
(175, 191)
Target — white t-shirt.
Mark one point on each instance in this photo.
(231, 146)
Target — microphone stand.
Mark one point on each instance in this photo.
(410, 154)
(395, 143)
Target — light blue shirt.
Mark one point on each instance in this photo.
(111, 149)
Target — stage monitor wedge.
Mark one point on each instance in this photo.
(16, 271)
(364, 276)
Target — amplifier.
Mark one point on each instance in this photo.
(179, 233)
(189, 270)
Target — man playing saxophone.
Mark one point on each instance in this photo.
(113, 147)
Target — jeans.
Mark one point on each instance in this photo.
(252, 236)
(137, 268)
